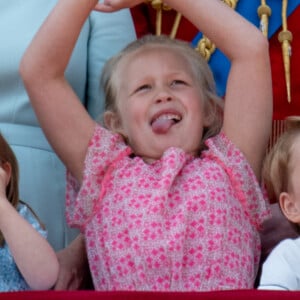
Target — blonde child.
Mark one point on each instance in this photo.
(281, 173)
(27, 261)
(166, 200)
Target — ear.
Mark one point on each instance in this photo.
(6, 166)
(113, 122)
(290, 207)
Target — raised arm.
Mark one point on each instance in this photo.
(248, 101)
(66, 123)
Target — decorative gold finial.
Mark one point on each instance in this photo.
(285, 37)
(264, 12)
(159, 6)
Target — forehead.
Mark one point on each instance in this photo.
(155, 54)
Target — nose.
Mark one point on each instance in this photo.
(163, 96)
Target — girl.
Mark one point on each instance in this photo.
(27, 261)
(165, 200)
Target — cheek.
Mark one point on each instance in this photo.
(197, 108)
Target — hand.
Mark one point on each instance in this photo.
(114, 5)
(74, 271)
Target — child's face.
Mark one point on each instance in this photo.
(159, 103)
(290, 202)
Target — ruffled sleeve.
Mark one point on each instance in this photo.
(249, 192)
(28, 215)
(104, 150)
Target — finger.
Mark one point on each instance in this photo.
(104, 8)
(61, 283)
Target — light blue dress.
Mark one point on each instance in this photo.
(10, 277)
(42, 175)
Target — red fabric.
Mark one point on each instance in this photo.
(144, 18)
(92, 295)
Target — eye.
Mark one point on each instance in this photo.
(143, 88)
(178, 82)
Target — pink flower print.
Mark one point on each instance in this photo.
(143, 183)
(127, 189)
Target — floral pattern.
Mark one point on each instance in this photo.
(179, 224)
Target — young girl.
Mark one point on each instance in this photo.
(281, 270)
(27, 261)
(165, 200)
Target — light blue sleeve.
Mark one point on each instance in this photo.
(109, 33)
(27, 214)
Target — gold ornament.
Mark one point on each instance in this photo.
(285, 37)
(264, 12)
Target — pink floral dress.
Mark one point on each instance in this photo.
(179, 224)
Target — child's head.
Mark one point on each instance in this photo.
(9, 164)
(281, 171)
(163, 85)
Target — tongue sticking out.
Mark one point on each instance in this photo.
(161, 126)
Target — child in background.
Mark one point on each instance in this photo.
(166, 201)
(281, 174)
(27, 261)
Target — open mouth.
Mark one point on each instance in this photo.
(163, 122)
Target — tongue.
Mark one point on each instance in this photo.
(161, 126)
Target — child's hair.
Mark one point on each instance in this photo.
(12, 189)
(277, 168)
(200, 68)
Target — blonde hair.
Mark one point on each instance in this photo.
(12, 189)
(277, 167)
(213, 104)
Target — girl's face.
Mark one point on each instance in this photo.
(159, 103)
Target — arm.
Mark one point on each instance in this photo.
(66, 123)
(248, 101)
(32, 253)
(74, 270)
